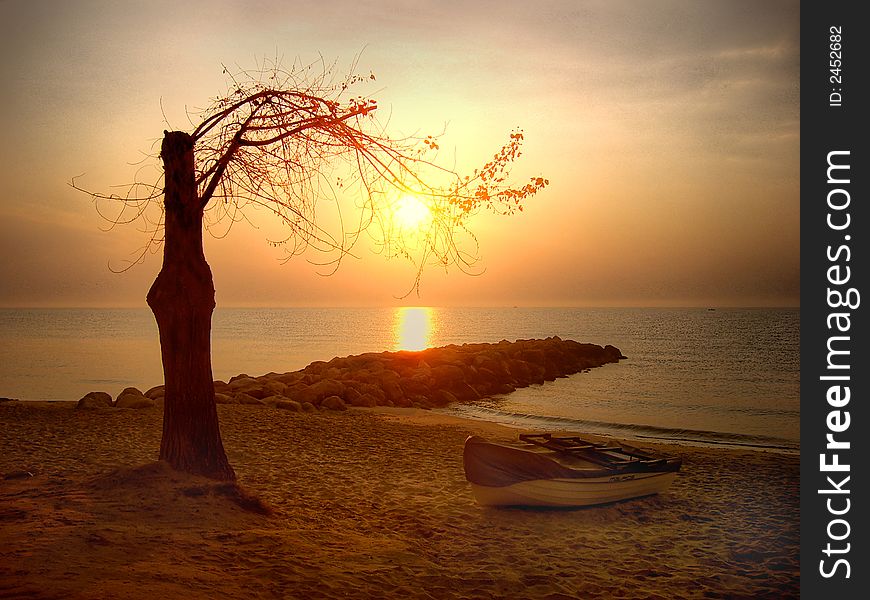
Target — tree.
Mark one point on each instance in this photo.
(277, 139)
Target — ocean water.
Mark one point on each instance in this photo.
(726, 376)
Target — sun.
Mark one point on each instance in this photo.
(411, 214)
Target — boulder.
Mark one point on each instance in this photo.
(316, 367)
(274, 388)
(308, 407)
(291, 405)
(133, 398)
(613, 354)
(318, 391)
(519, 370)
(351, 395)
(256, 391)
(465, 392)
(429, 378)
(156, 392)
(289, 378)
(364, 388)
(244, 398)
(420, 401)
(402, 402)
(393, 391)
(273, 400)
(442, 398)
(364, 400)
(333, 403)
(241, 382)
(332, 373)
(504, 388)
(416, 384)
(95, 400)
(224, 399)
(447, 375)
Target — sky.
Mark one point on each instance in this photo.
(669, 132)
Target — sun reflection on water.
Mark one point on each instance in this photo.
(413, 327)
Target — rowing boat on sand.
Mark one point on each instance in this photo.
(563, 471)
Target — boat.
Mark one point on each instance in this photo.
(563, 471)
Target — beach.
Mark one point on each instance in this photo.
(364, 504)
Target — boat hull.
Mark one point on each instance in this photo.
(575, 473)
(573, 492)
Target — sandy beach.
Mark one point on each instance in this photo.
(364, 504)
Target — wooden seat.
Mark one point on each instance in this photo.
(603, 454)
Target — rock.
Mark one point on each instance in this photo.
(95, 400)
(447, 375)
(416, 385)
(289, 378)
(272, 401)
(133, 398)
(243, 381)
(309, 379)
(245, 398)
(224, 399)
(316, 367)
(256, 391)
(613, 353)
(504, 388)
(351, 395)
(420, 401)
(401, 403)
(135, 402)
(520, 371)
(331, 373)
(274, 388)
(364, 400)
(333, 403)
(17, 475)
(291, 405)
(365, 389)
(429, 378)
(442, 398)
(316, 392)
(158, 391)
(465, 392)
(390, 384)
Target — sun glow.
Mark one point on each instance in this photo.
(413, 328)
(411, 214)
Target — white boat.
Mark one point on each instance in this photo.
(563, 471)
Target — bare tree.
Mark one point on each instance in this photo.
(279, 139)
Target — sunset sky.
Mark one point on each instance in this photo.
(669, 131)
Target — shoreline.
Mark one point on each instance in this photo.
(786, 449)
(368, 503)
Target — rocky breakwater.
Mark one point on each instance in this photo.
(426, 379)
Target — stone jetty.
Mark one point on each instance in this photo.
(428, 378)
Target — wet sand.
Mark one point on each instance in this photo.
(364, 505)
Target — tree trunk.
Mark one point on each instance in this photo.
(182, 300)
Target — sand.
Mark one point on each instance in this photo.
(364, 505)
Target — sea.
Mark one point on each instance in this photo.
(698, 376)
